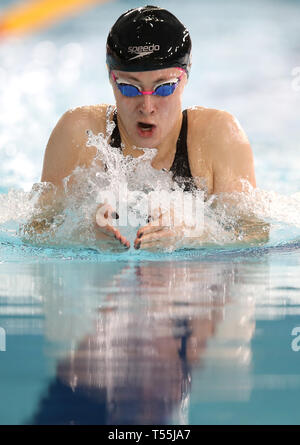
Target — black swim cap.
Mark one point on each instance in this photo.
(148, 38)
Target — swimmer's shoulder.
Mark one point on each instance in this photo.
(201, 120)
(218, 142)
(209, 128)
(88, 117)
(67, 146)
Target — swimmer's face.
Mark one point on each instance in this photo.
(147, 120)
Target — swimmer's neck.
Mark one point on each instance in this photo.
(165, 150)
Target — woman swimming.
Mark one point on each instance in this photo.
(149, 60)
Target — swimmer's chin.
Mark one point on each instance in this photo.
(146, 142)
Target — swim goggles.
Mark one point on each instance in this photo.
(164, 89)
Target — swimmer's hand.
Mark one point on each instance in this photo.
(106, 233)
(162, 232)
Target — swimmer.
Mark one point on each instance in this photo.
(149, 60)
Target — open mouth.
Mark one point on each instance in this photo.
(145, 127)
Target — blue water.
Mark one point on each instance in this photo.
(192, 337)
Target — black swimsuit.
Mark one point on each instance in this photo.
(180, 167)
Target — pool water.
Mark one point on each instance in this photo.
(204, 336)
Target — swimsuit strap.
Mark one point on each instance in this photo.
(115, 140)
(180, 167)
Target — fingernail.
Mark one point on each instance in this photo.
(106, 214)
(148, 219)
(138, 246)
(140, 235)
(115, 215)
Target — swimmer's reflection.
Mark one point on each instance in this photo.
(136, 366)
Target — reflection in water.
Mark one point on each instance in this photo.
(134, 363)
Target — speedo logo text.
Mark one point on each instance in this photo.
(141, 51)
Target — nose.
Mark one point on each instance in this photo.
(147, 104)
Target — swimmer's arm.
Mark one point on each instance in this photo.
(232, 157)
(246, 226)
(233, 171)
(60, 159)
(66, 150)
(48, 209)
(232, 165)
(252, 229)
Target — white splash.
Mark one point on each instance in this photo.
(74, 223)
